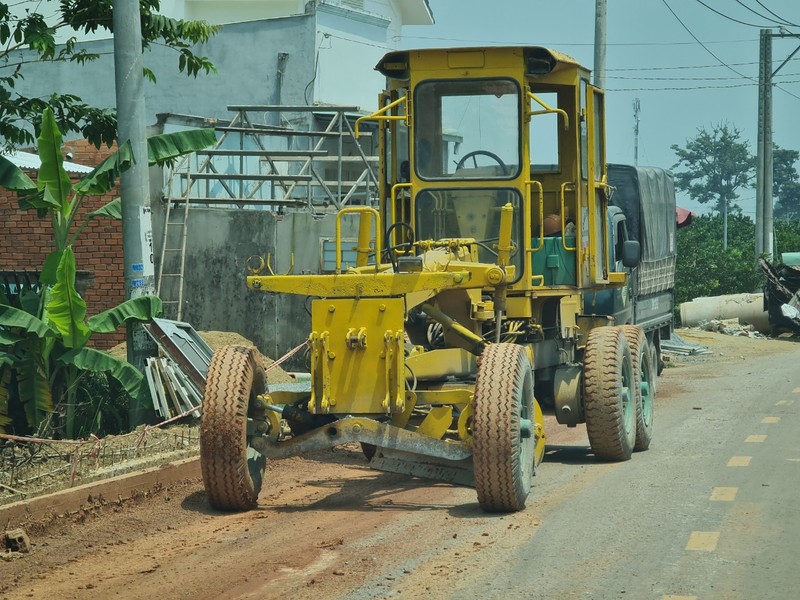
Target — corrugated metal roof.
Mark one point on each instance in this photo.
(27, 160)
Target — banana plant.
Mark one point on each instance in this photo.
(44, 336)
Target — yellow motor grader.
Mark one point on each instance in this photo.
(468, 297)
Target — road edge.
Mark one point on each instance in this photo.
(121, 487)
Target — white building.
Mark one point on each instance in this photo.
(267, 52)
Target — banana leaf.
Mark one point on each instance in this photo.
(40, 200)
(50, 268)
(104, 175)
(33, 385)
(143, 308)
(7, 338)
(111, 209)
(66, 309)
(89, 359)
(5, 396)
(13, 178)
(165, 148)
(14, 317)
(53, 178)
(161, 150)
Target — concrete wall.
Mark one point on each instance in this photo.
(216, 296)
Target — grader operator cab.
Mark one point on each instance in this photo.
(465, 302)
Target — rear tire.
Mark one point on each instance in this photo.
(608, 400)
(504, 460)
(644, 375)
(232, 471)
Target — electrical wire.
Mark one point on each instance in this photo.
(787, 22)
(689, 31)
(642, 78)
(722, 14)
(693, 88)
(679, 67)
(755, 12)
(722, 62)
(560, 43)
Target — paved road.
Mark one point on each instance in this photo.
(709, 512)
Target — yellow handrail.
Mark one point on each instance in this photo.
(547, 109)
(529, 184)
(564, 215)
(380, 116)
(364, 210)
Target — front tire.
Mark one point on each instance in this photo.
(232, 471)
(609, 400)
(504, 428)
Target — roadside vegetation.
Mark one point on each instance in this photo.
(716, 253)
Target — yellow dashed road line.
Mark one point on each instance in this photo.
(771, 420)
(740, 461)
(723, 494)
(703, 541)
(756, 439)
(672, 597)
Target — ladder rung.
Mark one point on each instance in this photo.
(171, 274)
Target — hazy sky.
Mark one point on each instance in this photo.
(681, 86)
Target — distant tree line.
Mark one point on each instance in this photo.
(716, 253)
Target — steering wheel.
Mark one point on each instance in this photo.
(475, 153)
(407, 234)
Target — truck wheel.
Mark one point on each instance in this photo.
(232, 471)
(609, 402)
(644, 374)
(504, 425)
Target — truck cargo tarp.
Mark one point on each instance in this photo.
(648, 190)
(647, 197)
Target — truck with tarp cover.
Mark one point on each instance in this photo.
(642, 208)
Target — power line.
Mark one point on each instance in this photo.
(694, 88)
(642, 78)
(758, 14)
(721, 14)
(681, 67)
(563, 44)
(689, 31)
(785, 21)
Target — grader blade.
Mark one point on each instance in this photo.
(427, 467)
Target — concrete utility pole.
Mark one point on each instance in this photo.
(137, 229)
(636, 109)
(763, 148)
(600, 44)
(764, 160)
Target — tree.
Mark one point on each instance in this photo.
(20, 115)
(43, 338)
(703, 269)
(785, 183)
(717, 164)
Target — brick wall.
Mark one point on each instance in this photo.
(26, 240)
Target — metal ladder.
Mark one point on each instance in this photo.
(171, 282)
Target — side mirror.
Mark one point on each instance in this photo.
(631, 253)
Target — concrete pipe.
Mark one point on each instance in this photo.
(748, 308)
